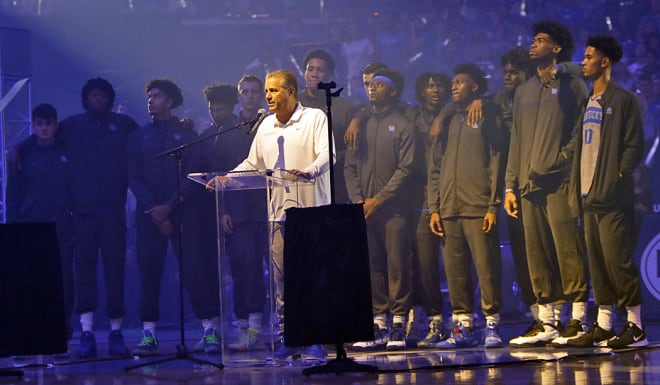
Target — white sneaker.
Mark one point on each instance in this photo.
(379, 342)
(539, 337)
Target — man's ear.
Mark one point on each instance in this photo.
(557, 49)
(604, 62)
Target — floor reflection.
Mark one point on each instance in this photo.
(462, 366)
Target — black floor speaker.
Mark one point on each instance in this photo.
(31, 295)
(327, 290)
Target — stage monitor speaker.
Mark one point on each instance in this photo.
(327, 290)
(31, 294)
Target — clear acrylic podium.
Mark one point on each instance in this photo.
(233, 183)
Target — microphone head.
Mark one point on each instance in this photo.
(261, 115)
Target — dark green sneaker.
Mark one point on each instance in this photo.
(209, 344)
(148, 346)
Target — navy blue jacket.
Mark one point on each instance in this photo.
(154, 180)
(96, 147)
(39, 191)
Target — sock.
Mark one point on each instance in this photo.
(381, 321)
(115, 323)
(579, 311)
(87, 321)
(604, 318)
(493, 318)
(255, 321)
(557, 311)
(547, 313)
(465, 319)
(534, 309)
(210, 323)
(399, 319)
(150, 327)
(635, 315)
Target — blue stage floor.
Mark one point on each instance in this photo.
(461, 366)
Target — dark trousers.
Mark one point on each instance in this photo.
(66, 259)
(390, 264)
(104, 234)
(465, 245)
(426, 267)
(557, 267)
(611, 246)
(519, 254)
(199, 268)
(246, 248)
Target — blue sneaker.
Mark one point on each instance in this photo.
(148, 346)
(209, 344)
(315, 353)
(492, 337)
(435, 335)
(461, 337)
(116, 345)
(87, 347)
(282, 352)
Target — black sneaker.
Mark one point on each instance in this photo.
(116, 345)
(631, 337)
(533, 329)
(397, 338)
(87, 348)
(596, 336)
(574, 329)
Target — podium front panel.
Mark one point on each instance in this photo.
(244, 263)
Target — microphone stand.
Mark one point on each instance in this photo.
(328, 102)
(342, 363)
(182, 352)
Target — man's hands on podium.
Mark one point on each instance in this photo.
(300, 173)
(218, 182)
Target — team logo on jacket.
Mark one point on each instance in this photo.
(650, 266)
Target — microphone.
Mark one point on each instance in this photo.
(261, 115)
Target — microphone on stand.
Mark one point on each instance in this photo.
(261, 115)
